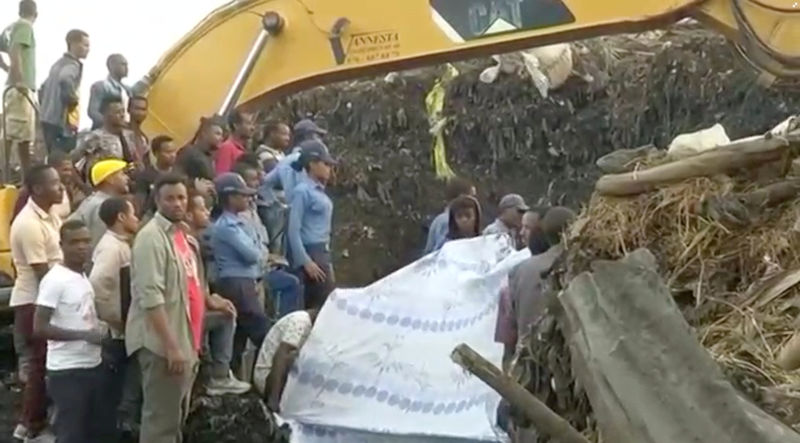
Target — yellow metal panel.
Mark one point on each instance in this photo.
(8, 197)
(193, 78)
(7, 265)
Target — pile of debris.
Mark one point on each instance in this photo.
(629, 90)
(724, 227)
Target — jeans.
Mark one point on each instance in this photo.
(220, 329)
(34, 397)
(286, 292)
(274, 218)
(77, 398)
(251, 320)
(56, 139)
(121, 389)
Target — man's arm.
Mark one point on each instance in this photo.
(96, 94)
(50, 292)
(276, 380)
(299, 255)
(105, 279)
(68, 81)
(273, 179)
(247, 249)
(20, 38)
(157, 317)
(148, 284)
(15, 67)
(34, 250)
(46, 331)
(284, 357)
(40, 270)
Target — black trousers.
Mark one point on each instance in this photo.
(76, 395)
(314, 290)
(55, 139)
(120, 390)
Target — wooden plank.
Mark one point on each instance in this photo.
(746, 153)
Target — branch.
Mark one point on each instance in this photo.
(543, 418)
(747, 153)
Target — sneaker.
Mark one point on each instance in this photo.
(226, 385)
(44, 437)
(20, 432)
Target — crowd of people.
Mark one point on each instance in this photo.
(537, 229)
(143, 266)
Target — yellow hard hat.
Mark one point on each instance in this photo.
(105, 168)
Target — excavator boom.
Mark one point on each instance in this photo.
(251, 51)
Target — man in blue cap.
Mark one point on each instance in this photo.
(238, 258)
(277, 187)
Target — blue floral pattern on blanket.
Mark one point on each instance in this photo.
(378, 359)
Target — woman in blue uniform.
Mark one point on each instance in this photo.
(310, 217)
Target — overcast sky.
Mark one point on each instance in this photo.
(141, 30)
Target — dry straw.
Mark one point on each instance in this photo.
(719, 272)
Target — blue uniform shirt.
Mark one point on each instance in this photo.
(437, 232)
(237, 252)
(310, 215)
(282, 176)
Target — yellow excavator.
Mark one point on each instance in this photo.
(252, 51)
(249, 52)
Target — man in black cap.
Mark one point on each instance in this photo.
(509, 217)
(238, 259)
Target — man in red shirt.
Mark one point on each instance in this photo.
(242, 129)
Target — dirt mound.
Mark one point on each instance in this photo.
(506, 137)
(233, 419)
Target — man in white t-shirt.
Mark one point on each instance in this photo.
(66, 318)
(278, 352)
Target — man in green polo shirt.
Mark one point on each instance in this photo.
(19, 100)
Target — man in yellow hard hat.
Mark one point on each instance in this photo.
(109, 179)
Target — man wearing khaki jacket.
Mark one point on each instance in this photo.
(110, 278)
(164, 325)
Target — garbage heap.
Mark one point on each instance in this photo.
(628, 90)
(727, 242)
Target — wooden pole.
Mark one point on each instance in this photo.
(543, 418)
(747, 153)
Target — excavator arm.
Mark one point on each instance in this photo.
(251, 51)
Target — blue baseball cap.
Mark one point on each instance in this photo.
(232, 183)
(306, 127)
(315, 150)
